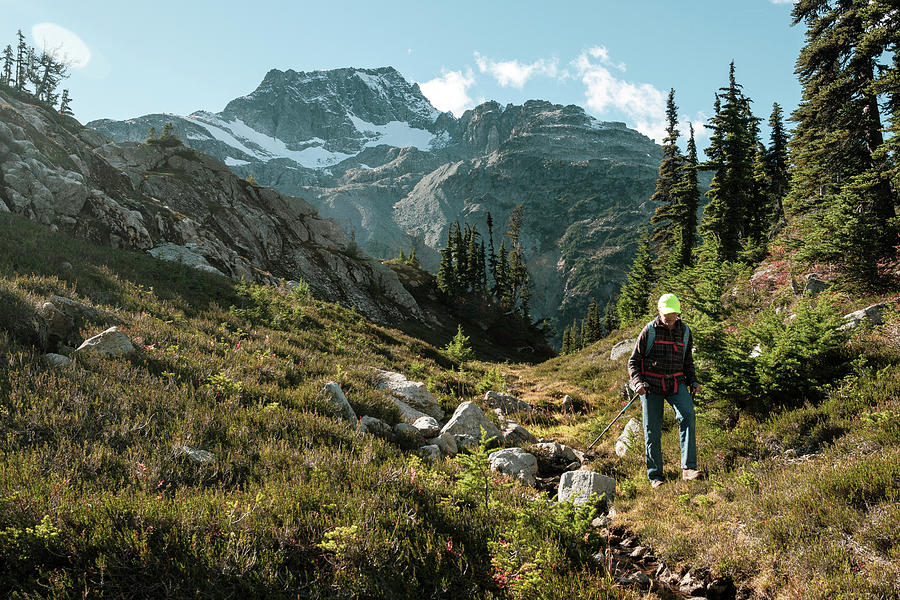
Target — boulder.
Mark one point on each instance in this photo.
(506, 403)
(430, 451)
(195, 454)
(58, 326)
(187, 255)
(553, 457)
(630, 436)
(335, 396)
(815, 285)
(621, 349)
(376, 427)
(568, 405)
(407, 412)
(408, 436)
(111, 342)
(578, 486)
(447, 444)
(515, 463)
(874, 313)
(427, 426)
(513, 433)
(57, 360)
(466, 424)
(413, 393)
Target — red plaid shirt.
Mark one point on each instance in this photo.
(666, 360)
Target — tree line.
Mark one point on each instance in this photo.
(472, 267)
(37, 74)
(829, 192)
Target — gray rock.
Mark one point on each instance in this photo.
(430, 451)
(874, 313)
(690, 585)
(506, 403)
(57, 360)
(447, 444)
(407, 412)
(413, 393)
(111, 342)
(467, 423)
(578, 486)
(186, 255)
(515, 463)
(631, 437)
(516, 435)
(557, 453)
(335, 396)
(427, 426)
(376, 427)
(756, 352)
(196, 455)
(568, 405)
(408, 436)
(815, 285)
(621, 349)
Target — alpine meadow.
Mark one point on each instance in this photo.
(334, 342)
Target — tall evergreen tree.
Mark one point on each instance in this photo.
(731, 153)
(685, 201)
(6, 75)
(610, 317)
(21, 60)
(777, 164)
(841, 195)
(634, 297)
(446, 276)
(492, 255)
(663, 222)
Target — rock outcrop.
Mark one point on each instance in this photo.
(182, 205)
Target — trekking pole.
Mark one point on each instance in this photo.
(622, 412)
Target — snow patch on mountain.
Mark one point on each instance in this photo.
(393, 133)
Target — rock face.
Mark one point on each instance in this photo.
(506, 403)
(182, 205)
(367, 149)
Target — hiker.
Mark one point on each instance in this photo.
(665, 371)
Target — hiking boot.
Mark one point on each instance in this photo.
(655, 483)
(691, 474)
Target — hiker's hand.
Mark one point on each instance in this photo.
(640, 390)
(695, 388)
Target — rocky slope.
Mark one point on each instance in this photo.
(367, 149)
(182, 205)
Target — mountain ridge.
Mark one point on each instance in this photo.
(366, 149)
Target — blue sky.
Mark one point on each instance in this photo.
(615, 59)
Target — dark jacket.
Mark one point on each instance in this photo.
(658, 371)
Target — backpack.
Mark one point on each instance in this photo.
(651, 336)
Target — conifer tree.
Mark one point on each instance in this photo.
(460, 260)
(6, 75)
(492, 255)
(777, 164)
(841, 195)
(567, 340)
(447, 280)
(21, 60)
(685, 201)
(65, 104)
(634, 297)
(610, 317)
(731, 153)
(663, 222)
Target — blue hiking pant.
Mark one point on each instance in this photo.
(652, 407)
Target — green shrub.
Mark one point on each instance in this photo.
(459, 350)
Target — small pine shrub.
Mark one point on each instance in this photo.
(459, 350)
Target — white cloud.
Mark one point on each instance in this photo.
(642, 103)
(450, 91)
(603, 54)
(62, 44)
(515, 74)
